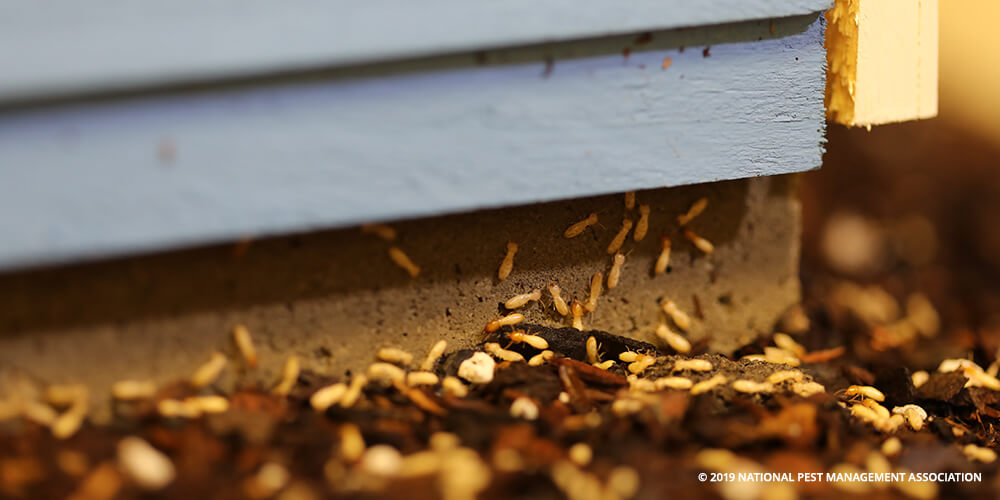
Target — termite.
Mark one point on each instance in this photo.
(920, 378)
(629, 200)
(421, 378)
(532, 340)
(865, 413)
(864, 391)
(595, 291)
(680, 318)
(433, 355)
(245, 345)
(786, 342)
(708, 385)
(129, 390)
(208, 372)
(636, 384)
(381, 230)
(522, 299)
(577, 228)
(605, 365)
(289, 376)
(663, 261)
(914, 415)
(784, 376)
(642, 362)
(577, 315)
(807, 389)
(778, 355)
(386, 373)
(354, 390)
(508, 261)
(879, 410)
(502, 354)
(454, 386)
(694, 365)
(696, 209)
(619, 238)
(208, 403)
(508, 320)
(978, 453)
(679, 383)
(673, 339)
(561, 307)
(624, 407)
(892, 446)
(352, 443)
(540, 358)
(402, 260)
(592, 354)
(394, 355)
(642, 226)
(327, 396)
(616, 270)
(752, 387)
(699, 242)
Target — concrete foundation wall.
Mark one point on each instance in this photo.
(333, 297)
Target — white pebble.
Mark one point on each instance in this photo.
(146, 466)
(525, 408)
(478, 369)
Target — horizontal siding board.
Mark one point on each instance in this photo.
(91, 181)
(67, 47)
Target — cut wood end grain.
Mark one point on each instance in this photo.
(882, 61)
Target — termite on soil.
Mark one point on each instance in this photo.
(864, 391)
(561, 307)
(680, 318)
(532, 340)
(522, 299)
(699, 242)
(394, 355)
(208, 372)
(630, 200)
(508, 261)
(577, 228)
(595, 291)
(577, 308)
(508, 320)
(663, 261)
(289, 376)
(619, 238)
(696, 209)
(642, 226)
(616, 270)
(241, 336)
(402, 260)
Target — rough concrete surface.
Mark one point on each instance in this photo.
(333, 297)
